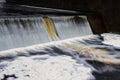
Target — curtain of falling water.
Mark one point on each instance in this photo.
(20, 32)
(68, 27)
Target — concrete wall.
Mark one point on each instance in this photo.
(109, 9)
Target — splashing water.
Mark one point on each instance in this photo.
(47, 68)
(80, 58)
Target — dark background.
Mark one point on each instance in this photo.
(109, 9)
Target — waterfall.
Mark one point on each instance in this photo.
(70, 26)
(21, 32)
(68, 57)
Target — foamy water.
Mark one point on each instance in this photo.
(47, 67)
(72, 59)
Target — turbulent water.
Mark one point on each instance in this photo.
(93, 57)
(21, 32)
(46, 67)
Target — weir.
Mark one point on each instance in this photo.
(23, 25)
(50, 44)
(21, 32)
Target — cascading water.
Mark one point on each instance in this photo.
(21, 32)
(91, 57)
(81, 58)
(69, 27)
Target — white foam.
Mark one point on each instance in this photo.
(58, 67)
(112, 39)
(53, 68)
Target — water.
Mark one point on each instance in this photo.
(91, 57)
(21, 32)
(50, 29)
(47, 68)
(50, 61)
(69, 27)
(2, 0)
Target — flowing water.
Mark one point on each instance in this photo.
(91, 57)
(69, 27)
(21, 32)
(81, 57)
